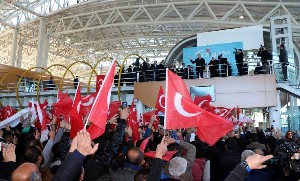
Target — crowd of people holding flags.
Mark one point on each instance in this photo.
(90, 138)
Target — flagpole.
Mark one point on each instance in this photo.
(166, 101)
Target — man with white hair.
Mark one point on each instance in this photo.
(180, 168)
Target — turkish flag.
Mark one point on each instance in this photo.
(223, 112)
(113, 108)
(202, 101)
(75, 114)
(160, 101)
(32, 110)
(98, 114)
(181, 112)
(87, 103)
(43, 120)
(99, 82)
(63, 105)
(133, 123)
(147, 116)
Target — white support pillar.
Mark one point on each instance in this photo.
(274, 113)
(19, 58)
(140, 107)
(14, 47)
(295, 117)
(40, 45)
(46, 50)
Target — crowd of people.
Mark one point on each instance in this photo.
(29, 155)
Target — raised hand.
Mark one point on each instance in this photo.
(9, 153)
(161, 149)
(124, 113)
(169, 140)
(84, 143)
(113, 119)
(256, 161)
(73, 144)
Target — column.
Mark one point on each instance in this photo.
(274, 114)
(46, 50)
(140, 108)
(40, 45)
(14, 47)
(19, 58)
(295, 116)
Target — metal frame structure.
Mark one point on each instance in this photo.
(104, 28)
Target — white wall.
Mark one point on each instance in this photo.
(252, 37)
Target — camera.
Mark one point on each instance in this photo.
(285, 153)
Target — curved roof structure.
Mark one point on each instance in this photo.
(90, 30)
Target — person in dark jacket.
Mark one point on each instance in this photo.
(200, 65)
(213, 67)
(239, 58)
(76, 82)
(283, 59)
(266, 56)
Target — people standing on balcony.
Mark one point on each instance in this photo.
(145, 69)
(155, 71)
(51, 84)
(239, 57)
(129, 75)
(162, 70)
(76, 81)
(200, 65)
(266, 57)
(283, 59)
(213, 67)
(223, 65)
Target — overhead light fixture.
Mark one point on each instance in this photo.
(241, 17)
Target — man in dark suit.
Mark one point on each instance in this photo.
(162, 70)
(283, 59)
(200, 65)
(155, 69)
(145, 69)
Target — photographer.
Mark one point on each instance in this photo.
(239, 56)
(266, 56)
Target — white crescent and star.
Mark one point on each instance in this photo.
(160, 100)
(202, 102)
(180, 109)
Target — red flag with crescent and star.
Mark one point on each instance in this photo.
(99, 82)
(86, 103)
(160, 101)
(181, 112)
(75, 114)
(98, 114)
(133, 123)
